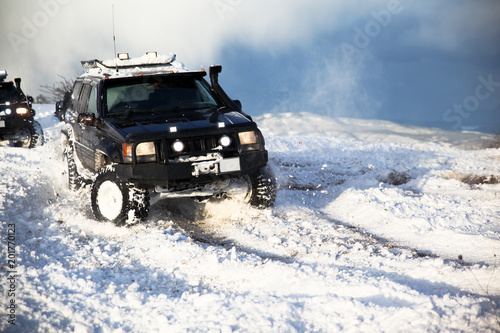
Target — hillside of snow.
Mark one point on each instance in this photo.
(377, 227)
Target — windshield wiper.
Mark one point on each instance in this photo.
(187, 107)
(130, 112)
(214, 117)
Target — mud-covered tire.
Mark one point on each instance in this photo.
(263, 188)
(74, 180)
(116, 201)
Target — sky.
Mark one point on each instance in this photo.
(431, 63)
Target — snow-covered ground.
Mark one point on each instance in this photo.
(377, 228)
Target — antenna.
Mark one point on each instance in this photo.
(114, 38)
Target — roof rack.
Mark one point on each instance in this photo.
(126, 64)
(88, 64)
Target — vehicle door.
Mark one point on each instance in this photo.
(85, 128)
(90, 123)
(72, 115)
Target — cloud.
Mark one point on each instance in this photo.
(462, 28)
(54, 35)
(44, 38)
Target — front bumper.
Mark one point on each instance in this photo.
(193, 172)
(10, 125)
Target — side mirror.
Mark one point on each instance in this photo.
(59, 113)
(238, 103)
(87, 119)
(30, 99)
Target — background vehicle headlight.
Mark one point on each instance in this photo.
(225, 141)
(22, 111)
(247, 138)
(178, 146)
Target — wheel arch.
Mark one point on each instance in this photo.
(109, 150)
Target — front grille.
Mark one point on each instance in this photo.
(200, 146)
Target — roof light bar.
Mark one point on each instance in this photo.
(123, 56)
(152, 55)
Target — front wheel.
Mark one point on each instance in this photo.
(263, 188)
(73, 179)
(36, 133)
(30, 136)
(116, 201)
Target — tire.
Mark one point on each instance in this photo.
(36, 133)
(74, 180)
(23, 138)
(263, 189)
(33, 135)
(116, 201)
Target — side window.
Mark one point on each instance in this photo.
(92, 104)
(75, 95)
(84, 98)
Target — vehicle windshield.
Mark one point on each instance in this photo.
(8, 92)
(157, 95)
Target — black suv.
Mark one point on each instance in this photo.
(17, 125)
(147, 126)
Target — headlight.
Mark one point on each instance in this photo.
(247, 138)
(145, 151)
(225, 141)
(178, 146)
(22, 111)
(145, 148)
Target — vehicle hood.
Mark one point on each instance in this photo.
(179, 124)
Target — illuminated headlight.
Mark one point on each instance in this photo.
(145, 151)
(247, 138)
(8, 111)
(178, 146)
(225, 141)
(22, 111)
